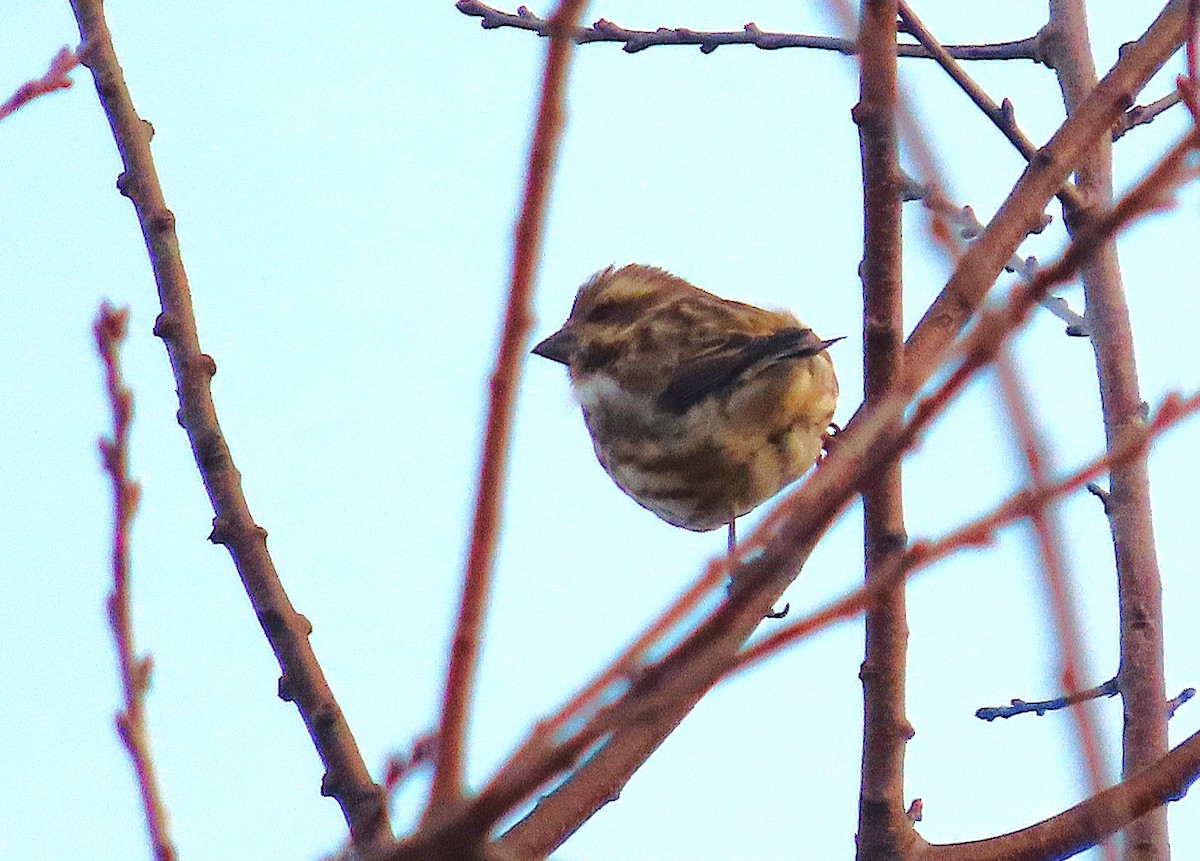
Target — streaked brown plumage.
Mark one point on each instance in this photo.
(699, 408)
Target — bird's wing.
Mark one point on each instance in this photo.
(717, 369)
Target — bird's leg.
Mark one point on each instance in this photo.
(731, 555)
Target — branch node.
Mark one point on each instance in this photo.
(1008, 114)
(165, 326)
(222, 532)
(1174, 703)
(329, 784)
(163, 219)
(202, 363)
(286, 690)
(142, 671)
(126, 184)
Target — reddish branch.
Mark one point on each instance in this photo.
(1048, 534)
(1073, 830)
(448, 779)
(109, 330)
(54, 79)
(302, 682)
(977, 533)
(750, 34)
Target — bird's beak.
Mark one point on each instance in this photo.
(559, 347)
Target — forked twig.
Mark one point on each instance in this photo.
(54, 79)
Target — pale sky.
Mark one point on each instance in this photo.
(345, 179)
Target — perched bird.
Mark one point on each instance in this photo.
(700, 408)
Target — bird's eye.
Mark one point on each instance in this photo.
(614, 311)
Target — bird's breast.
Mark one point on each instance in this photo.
(722, 457)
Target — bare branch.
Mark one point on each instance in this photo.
(1139, 588)
(1175, 702)
(54, 79)
(447, 787)
(639, 40)
(303, 682)
(1052, 558)
(1084, 825)
(1018, 215)
(966, 227)
(1002, 116)
(109, 330)
(883, 823)
(976, 533)
(1041, 707)
(1140, 115)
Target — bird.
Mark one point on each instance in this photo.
(699, 408)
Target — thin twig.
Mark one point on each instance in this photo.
(447, 788)
(346, 778)
(109, 330)
(1019, 214)
(1140, 115)
(54, 79)
(1041, 707)
(953, 227)
(1175, 702)
(1002, 116)
(708, 41)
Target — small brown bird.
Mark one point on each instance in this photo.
(699, 408)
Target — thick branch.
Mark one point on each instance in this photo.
(1141, 674)
(978, 532)
(1002, 115)
(1088, 822)
(1019, 214)
(883, 826)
